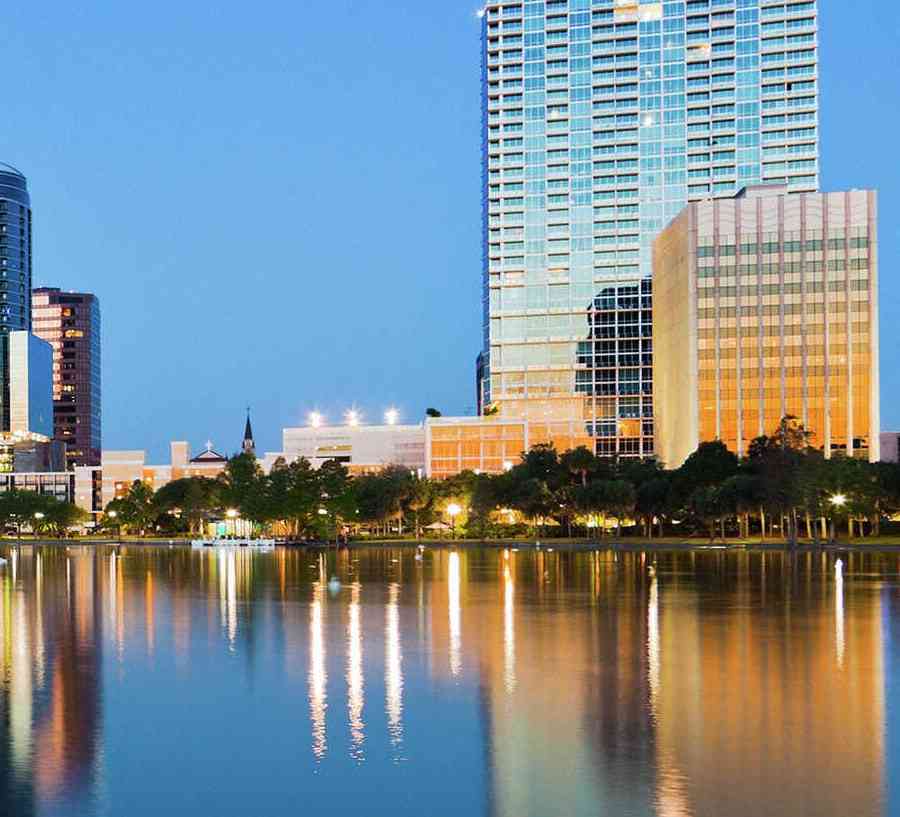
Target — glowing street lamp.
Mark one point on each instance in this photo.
(507, 465)
(838, 501)
(391, 416)
(316, 420)
(232, 514)
(453, 510)
(353, 417)
(38, 516)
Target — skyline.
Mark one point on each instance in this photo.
(425, 338)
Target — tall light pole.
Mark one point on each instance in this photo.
(38, 516)
(837, 501)
(453, 510)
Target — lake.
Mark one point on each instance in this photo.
(161, 681)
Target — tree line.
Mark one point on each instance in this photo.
(784, 488)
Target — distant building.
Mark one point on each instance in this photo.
(486, 445)
(120, 469)
(362, 449)
(248, 446)
(890, 446)
(70, 322)
(766, 306)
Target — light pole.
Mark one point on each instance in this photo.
(453, 510)
(38, 516)
(838, 501)
(112, 515)
(231, 513)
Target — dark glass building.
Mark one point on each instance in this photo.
(15, 272)
(70, 322)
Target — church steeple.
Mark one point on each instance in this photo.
(248, 446)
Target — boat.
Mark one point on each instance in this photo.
(234, 543)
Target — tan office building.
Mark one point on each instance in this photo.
(767, 305)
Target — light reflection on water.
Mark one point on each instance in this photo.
(161, 681)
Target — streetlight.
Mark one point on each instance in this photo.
(453, 510)
(507, 465)
(353, 417)
(838, 501)
(112, 515)
(391, 416)
(316, 420)
(38, 516)
(232, 514)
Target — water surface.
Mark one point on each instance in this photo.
(157, 681)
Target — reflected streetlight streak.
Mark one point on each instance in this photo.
(509, 628)
(318, 676)
(454, 613)
(393, 669)
(228, 595)
(653, 645)
(150, 620)
(839, 611)
(21, 694)
(355, 678)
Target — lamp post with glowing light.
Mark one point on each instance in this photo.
(838, 501)
(113, 515)
(391, 416)
(453, 510)
(353, 418)
(316, 420)
(232, 514)
(38, 516)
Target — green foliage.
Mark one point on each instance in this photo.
(782, 482)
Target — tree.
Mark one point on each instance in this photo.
(653, 501)
(195, 499)
(580, 462)
(136, 511)
(243, 488)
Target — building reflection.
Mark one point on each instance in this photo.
(355, 675)
(619, 683)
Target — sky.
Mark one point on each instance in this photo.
(281, 209)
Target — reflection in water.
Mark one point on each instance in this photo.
(509, 626)
(355, 678)
(454, 612)
(393, 671)
(719, 683)
(839, 611)
(318, 675)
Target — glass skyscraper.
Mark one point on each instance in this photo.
(15, 272)
(602, 120)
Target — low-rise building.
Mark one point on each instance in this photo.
(360, 448)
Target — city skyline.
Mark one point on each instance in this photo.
(134, 234)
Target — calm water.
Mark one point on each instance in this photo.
(166, 682)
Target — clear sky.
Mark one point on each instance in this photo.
(278, 204)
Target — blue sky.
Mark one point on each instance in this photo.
(281, 208)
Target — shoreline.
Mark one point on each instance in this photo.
(871, 544)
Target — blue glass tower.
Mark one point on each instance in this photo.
(15, 271)
(602, 119)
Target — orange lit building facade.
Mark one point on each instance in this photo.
(493, 444)
(766, 306)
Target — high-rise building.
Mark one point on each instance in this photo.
(70, 322)
(15, 272)
(767, 306)
(602, 120)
